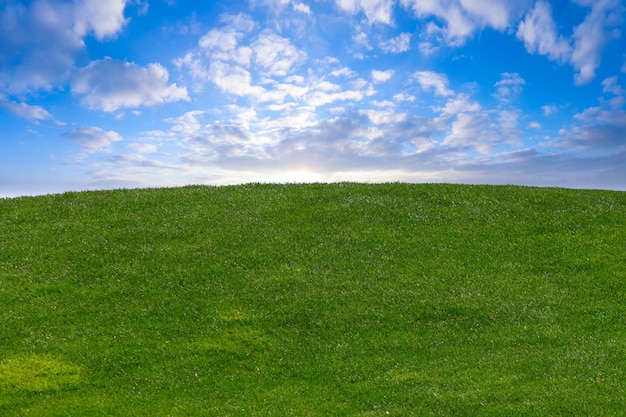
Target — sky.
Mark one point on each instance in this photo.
(102, 94)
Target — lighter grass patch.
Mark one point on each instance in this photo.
(37, 374)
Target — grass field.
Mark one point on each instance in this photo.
(314, 300)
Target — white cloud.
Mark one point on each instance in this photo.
(234, 80)
(321, 98)
(376, 11)
(400, 97)
(583, 50)
(93, 139)
(459, 104)
(223, 45)
(427, 48)
(473, 129)
(26, 111)
(276, 55)
(463, 17)
(534, 125)
(301, 7)
(110, 85)
(37, 45)
(345, 72)
(539, 34)
(509, 86)
(591, 36)
(385, 117)
(435, 81)
(41, 39)
(610, 85)
(104, 18)
(143, 148)
(240, 22)
(381, 76)
(399, 44)
(549, 109)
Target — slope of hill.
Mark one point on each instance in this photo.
(314, 300)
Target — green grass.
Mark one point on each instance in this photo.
(314, 300)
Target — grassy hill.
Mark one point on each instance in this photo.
(314, 300)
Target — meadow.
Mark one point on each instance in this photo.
(314, 300)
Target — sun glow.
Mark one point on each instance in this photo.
(296, 176)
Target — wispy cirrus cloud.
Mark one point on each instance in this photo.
(584, 47)
(27, 111)
(462, 18)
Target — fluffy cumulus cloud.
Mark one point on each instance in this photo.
(350, 141)
(275, 54)
(381, 76)
(102, 18)
(436, 82)
(110, 85)
(50, 32)
(262, 66)
(93, 139)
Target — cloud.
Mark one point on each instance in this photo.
(276, 55)
(110, 85)
(584, 49)
(223, 45)
(509, 86)
(103, 18)
(234, 80)
(301, 7)
(591, 36)
(143, 148)
(272, 73)
(26, 111)
(549, 109)
(431, 80)
(463, 17)
(376, 11)
(399, 44)
(381, 76)
(610, 85)
(40, 40)
(31, 36)
(93, 139)
(539, 34)
(597, 128)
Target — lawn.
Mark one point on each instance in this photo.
(314, 300)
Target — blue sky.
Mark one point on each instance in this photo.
(101, 94)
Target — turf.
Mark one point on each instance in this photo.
(314, 300)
